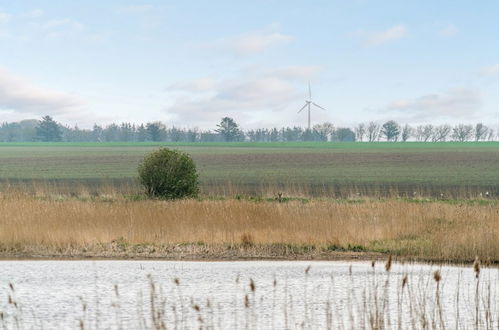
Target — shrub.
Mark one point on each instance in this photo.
(169, 174)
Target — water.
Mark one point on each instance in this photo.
(117, 294)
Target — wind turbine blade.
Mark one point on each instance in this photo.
(303, 107)
(309, 91)
(318, 106)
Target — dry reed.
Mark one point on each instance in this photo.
(436, 231)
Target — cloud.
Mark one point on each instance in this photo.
(253, 43)
(148, 16)
(20, 95)
(196, 85)
(459, 102)
(376, 38)
(235, 97)
(448, 31)
(34, 13)
(57, 28)
(491, 70)
(4, 17)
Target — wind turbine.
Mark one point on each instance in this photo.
(309, 103)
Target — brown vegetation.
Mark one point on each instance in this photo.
(118, 227)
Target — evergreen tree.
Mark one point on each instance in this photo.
(229, 130)
(154, 131)
(48, 130)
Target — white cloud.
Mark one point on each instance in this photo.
(238, 98)
(196, 85)
(20, 95)
(61, 27)
(4, 17)
(149, 16)
(459, 102)
(252, 96)
(448, 31)
(256, 42)
(491, 70)
(376, 38)
(34, 13)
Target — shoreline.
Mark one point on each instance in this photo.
(347, 256)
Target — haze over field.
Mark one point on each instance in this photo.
(189, 63)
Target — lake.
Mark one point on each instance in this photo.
(244, 295)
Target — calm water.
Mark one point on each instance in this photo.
(60, 294)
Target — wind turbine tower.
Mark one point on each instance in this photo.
(309, 103)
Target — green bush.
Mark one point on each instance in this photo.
(169, 174)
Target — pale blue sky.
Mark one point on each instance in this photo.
(189, 63)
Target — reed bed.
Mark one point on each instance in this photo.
(269, 187)
(443, 231)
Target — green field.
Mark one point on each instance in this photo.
(316, 168)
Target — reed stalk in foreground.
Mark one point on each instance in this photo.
(218, 228)
(364, 303)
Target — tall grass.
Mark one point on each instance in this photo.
(115, 226)
(268, 187)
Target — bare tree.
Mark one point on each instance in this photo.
(373, 130)
(490, 136)
(462, 132)
(324, 130)
(440, 133)
(424, 133)
(360, 131)
(407, 132)
(480, 132)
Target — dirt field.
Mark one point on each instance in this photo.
(335, 170)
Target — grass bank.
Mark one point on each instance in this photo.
(445, 231)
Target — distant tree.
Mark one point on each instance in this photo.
(480, 132)
(154, 131)
(126, 132)
(391, 130)
(360, 132)
(373, 131)
(97, 133)
(229, 130)
(274, 135)
(406, 132)
(490, 136)
(192, 135)
(324, 131)
(111, 133)
(440, 133)
(462, 132)
(424, 132)
(308, 135)
(292, 134)
(48, 130)
(344, 135)
(142, 133)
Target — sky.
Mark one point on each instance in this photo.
(190, 63)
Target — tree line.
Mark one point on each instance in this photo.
(48, 130)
